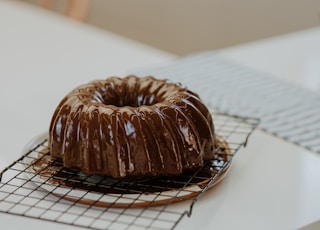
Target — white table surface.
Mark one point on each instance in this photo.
(272, 184)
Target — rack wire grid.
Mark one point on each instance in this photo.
(38, 187)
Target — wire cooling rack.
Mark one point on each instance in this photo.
(38, 187)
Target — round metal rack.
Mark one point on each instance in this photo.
(37, 186)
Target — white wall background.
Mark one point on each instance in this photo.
(185, 26)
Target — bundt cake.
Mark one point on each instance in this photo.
(132, 127)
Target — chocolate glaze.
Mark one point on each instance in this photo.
(132, 127)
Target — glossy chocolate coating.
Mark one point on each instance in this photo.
(132, 127)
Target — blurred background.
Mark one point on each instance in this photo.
(186, 26)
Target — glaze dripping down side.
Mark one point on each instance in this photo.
(132, 127)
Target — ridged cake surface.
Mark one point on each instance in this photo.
(132, 127)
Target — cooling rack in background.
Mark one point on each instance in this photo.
(36, 186)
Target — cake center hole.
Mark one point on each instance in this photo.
(131, 100)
